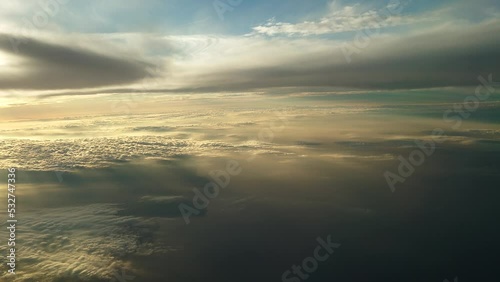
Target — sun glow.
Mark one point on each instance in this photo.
(3, 60)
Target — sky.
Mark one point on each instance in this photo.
(374, 125)
(74, 48)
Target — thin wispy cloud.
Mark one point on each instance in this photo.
(341, 19)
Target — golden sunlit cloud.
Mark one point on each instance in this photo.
(4, 60)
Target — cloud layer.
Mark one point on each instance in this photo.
(42, 65)
(85, 243)
(349, 47)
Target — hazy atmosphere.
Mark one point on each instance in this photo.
(238, 140)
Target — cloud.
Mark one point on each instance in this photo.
(103, 152)
(339, 19)
(44, 65)
(437, 48)
(66, 243)
(437, 57)
(153, 128)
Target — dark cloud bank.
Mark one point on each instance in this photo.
(46, 66)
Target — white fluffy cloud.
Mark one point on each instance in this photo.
(85, 243)
(339, 19)
(98, 152)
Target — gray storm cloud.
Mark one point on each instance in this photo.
(438, 58)
(46, 66)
